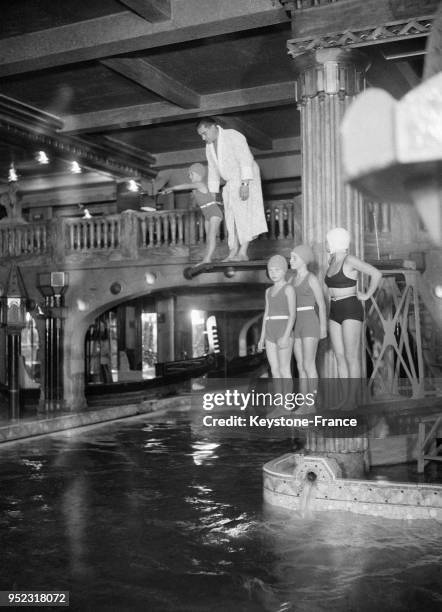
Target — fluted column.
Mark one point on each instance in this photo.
(327, 81)
(52, 389)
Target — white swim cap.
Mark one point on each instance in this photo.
(338, 239)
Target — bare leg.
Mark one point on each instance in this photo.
(299, 356)
(309, 348)
(234, 245)
(337, 342)
(351, 332)
(242, 253)
(297, 349)
(211, 227)
(272, 356)
(273, 359)
(285, 360)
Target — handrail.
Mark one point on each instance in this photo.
(299, 5)
(18, 239)
(97, 233)
(128, 232)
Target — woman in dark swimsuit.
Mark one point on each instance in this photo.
(346, 311)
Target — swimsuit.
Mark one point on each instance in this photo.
(347, 307)
(307, 320)
(208, 206)
(277, 314)
(339, 280)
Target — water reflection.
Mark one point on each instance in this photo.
(150, 516)
(74, 508)
(203, 452)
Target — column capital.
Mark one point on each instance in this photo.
(331, 70)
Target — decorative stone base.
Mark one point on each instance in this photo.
(351, 464)
(288, 478)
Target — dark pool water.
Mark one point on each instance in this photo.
(163, 515)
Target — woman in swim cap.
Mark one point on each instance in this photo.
(346, 310)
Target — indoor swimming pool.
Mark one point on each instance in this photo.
(160, 514)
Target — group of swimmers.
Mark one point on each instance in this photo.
(295, 316)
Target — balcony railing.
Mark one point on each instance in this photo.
(129, 232)
(23, 239)
(297, 5)
(100, 233)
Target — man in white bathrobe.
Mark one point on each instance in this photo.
(229, 158)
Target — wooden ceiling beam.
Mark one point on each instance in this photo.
(126, 32)
(150, 10)
(148, 76)
(264, 96)
(255, 137)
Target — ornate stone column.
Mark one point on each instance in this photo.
(76, 326)
(327, 81)
(52, 286)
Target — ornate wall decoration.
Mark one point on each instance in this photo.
(396, 30)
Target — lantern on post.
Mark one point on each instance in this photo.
(13, 316)
(53, 286)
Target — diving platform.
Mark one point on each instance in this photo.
(227, 267)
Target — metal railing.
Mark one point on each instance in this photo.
(394, 343)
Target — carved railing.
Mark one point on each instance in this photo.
(303, 4)
(99, 233)
(23, 239)
(166, 228)
(186, 227)
(281, 220)
(129, 231)
(394, 345)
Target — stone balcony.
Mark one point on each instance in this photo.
(173, 236)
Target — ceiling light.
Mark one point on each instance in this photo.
(438, 291)
(42, 158)
(12, 175)
(150, 278)
(132, 185)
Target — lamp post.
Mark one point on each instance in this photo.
(13, 317)
(53, 285)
